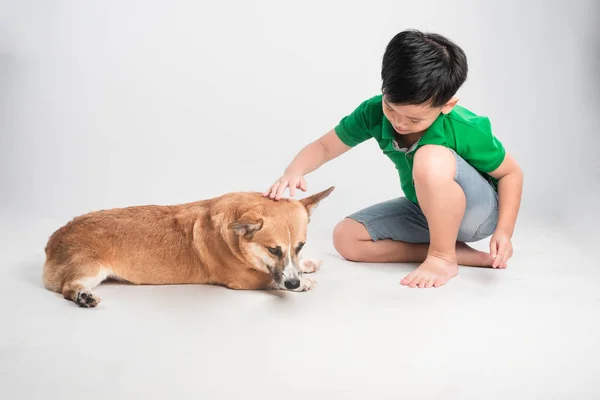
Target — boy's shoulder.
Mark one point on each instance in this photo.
(458, 129)
(374, 100)
(471, 136)
(372, 107)
(462, 124)
(463, 117)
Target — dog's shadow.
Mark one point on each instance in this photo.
(277, 294)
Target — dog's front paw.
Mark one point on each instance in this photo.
(310, 265)
(305, 285)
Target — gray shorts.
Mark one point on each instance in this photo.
(401, 219)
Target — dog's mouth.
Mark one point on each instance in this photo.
(284, 281)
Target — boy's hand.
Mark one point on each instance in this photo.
(501, 249)
(311, 157)
(292, 181)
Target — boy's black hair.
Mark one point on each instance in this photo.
(422, 68)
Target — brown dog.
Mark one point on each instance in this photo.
(239, 240)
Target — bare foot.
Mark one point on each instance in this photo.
(468, 256)
(434, 272)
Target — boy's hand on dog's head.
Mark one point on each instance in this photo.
(291, 181)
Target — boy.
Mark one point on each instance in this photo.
(460, 184)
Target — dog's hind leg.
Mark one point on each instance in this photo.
(80, 282)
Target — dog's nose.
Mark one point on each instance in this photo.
(292, 284)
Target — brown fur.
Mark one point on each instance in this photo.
(217, 241)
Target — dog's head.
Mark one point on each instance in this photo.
(272, 234)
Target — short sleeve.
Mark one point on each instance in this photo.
(484, 151)
(356, 127)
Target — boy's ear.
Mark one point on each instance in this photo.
(313, 201)
(449, 105)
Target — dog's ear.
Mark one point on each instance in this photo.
(247, 225)
(313, 201)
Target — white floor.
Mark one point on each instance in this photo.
(528, 332)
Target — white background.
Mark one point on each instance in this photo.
(114, 103)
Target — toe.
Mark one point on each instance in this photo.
(408, 278)
(416, 276)
(430, 282)
(413, 283)
(422, 282)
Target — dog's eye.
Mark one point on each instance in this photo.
(300, 246)
(276, 251)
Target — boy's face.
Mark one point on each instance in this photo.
(407, 119)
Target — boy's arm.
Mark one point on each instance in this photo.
(510, 188)
(322, 150)
(311, 157)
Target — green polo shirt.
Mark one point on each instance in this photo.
(468, 134)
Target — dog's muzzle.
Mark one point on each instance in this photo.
(292, 284)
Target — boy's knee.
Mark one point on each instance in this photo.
(345, 237)
(433, 163)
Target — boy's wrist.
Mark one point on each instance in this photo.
(504, 230)
(293, 172)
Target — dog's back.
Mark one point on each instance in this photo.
(140, 239)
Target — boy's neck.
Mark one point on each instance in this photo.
(409, 139)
